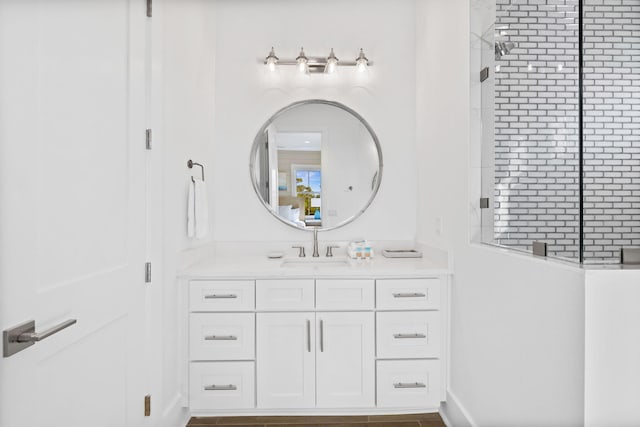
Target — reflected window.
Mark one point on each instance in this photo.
(309, 187)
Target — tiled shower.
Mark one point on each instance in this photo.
(561, 101)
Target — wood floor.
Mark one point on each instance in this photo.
(412, 420)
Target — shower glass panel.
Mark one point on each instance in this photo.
(534, 129)
(611, 128)
(561, 143)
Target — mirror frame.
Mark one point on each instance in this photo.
(256, 142)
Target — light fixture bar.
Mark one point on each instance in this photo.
(315, 64)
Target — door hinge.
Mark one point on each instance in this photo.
(149, 8)
(147, 405)
(147, 273)
(484, 203)
(148, 139)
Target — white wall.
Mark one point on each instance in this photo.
(612, 363)
(246, 96)
(184, 131)
(517, 327)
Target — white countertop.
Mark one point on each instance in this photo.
(253, 266)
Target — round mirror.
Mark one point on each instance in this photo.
(316, 163)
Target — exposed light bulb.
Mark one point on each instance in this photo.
(361, 62)
(560, 67)
(271, 60)
(303, 62)
(332, 63)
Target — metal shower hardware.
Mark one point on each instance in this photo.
(190, 165)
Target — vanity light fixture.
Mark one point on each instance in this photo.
(332, 63)
(316, 64)
(362, 62)
(303, 62)
(271, 60)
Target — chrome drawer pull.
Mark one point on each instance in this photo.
(409, 336)
(409, 385)
(409, 295)
(214, 387)
(221, 296)
(221, 338)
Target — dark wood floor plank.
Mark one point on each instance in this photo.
(202, 421)
(295, 420)
(407, 417)
(408, 420)
(361, 424)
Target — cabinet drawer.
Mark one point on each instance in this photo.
(222, 336)
(408, 294)
(221, 385)
(337, 294)
(285, 294)
(408, 383)
(221, 295)
(408, 334)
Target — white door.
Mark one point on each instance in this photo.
(345, 360)
(285, 360)
(72, 210)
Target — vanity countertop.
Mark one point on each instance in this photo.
(262, 267)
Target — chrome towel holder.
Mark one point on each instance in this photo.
(190, 165)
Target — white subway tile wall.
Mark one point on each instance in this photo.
(536, 126)
(612, 127)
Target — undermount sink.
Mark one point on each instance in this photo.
(315, 263)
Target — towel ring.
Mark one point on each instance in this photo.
(190, 165)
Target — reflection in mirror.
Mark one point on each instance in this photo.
(316, 164)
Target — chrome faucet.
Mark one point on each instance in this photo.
(316, 254)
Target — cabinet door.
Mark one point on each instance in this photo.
(345, 360)
(286, 360)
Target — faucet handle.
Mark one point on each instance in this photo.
(301, 253)
(329, 250)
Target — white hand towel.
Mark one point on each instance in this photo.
(191, 210)
(201, 210)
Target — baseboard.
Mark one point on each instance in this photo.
(454, 414)
(175, 415)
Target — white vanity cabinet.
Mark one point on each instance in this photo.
(286, 349)
(345, 360)
(328, 345)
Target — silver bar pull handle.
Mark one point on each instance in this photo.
(321, 336)
(221, 296)
(39, 336)
(409, 295)
(409, 385)
(409, 336)
(221, 338)
(309, 336)
(214, 387)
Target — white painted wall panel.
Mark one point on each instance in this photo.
(246, 96)
(612, 361)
